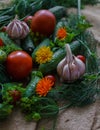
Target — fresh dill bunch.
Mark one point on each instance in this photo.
(38, 107)
(88, 49)
(82, 92)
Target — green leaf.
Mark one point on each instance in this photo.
(5, 111)
(21, 8)
(5, 38)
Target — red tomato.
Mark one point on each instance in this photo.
(82, 58)
(19, 64)
(51, 77)
(28, 19)
(16, 95)
(43, 22)
(1, 42)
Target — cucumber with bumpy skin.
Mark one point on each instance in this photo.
(51, 66)
(30, 88)
(59, 12)
(27, 44)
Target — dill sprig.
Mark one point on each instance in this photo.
(45, 107)
(80, 93)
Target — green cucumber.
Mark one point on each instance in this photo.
(59, 12)
(45, 42)
(62, 23)
(30, 88)
(27, 44)
(51, 66)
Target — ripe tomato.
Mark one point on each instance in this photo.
(43, 22)
(51, 77)
(28, 19)
(19, 64)
(1, 42)
(82, 58)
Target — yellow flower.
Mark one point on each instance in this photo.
(61, 33)
(44, 86)
(43, 55)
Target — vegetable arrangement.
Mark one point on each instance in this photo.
(45, 58)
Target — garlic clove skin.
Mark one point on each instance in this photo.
(61, 66)
(73, 71)
(70, 73)
(17, 29)
(14, 29)
(70, 68)
(66, 75)
(25, 30)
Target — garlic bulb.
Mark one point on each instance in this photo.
(70, 68)
(17, 29)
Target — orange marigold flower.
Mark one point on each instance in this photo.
(61, 33)
(44, 86)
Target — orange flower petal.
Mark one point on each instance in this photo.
(61, 33)
(44, 86)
